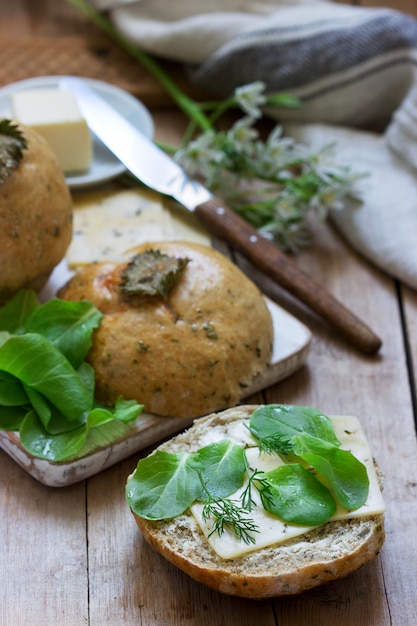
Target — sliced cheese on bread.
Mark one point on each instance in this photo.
(109, 225)
(271, 529)
(285, 568)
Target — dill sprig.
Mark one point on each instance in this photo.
(278, 444)
(232, 513)
(228, 513)
(258, 480)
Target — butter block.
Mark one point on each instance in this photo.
(54, 114)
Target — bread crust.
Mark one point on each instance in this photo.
(186, 356)
(35, 218)
(324, 554)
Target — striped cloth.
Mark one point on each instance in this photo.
(354, 69)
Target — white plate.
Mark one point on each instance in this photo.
(105, 165)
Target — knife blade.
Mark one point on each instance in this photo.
(158, 171)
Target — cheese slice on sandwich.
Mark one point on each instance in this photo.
(275, 565)
(271, 530)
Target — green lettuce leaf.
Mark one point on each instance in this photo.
(346, 474)
(221, 467)
(46, 386)
(39, 365)
(163, 485)
(297, 497)
(282, 422)
(66, 440)
(67, 326)
(16, 311)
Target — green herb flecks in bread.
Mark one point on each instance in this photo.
(183, 351)
(35, 210)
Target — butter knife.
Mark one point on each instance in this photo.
(158, 171)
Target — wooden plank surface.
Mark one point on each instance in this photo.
(49, 38)
(114, 442)
(377, 390)
(74, 556)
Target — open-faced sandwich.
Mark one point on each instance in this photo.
(262, 501)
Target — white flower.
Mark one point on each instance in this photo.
(276, 154)
(251, 97)
(242, 134)
(279, 185)
(200, 157)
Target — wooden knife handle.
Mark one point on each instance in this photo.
(263, 253)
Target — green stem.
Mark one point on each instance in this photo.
(185, 103)
(221, 108)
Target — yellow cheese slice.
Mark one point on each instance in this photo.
(271, 529)
(108, 225)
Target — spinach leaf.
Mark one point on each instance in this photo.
(346, 474)
(221, 467)
(124, 411)
(37, 441)
(11, 417)
(39, 365)
(163, 485)
(12, 392)
(14, 313)
(46, 386)
(87, 377)
(297, 497)
(64, 440)
(67, 325)
(40, 405)
(309, 437)
(280, 422)
(4, 336)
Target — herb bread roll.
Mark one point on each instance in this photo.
(183, 340)
(289, 566)
(35, 210)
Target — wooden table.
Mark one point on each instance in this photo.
(74, 556)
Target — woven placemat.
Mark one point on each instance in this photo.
(95, 57)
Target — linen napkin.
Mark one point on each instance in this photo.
(354, 69)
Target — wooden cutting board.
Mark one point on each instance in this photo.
(114, 442)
